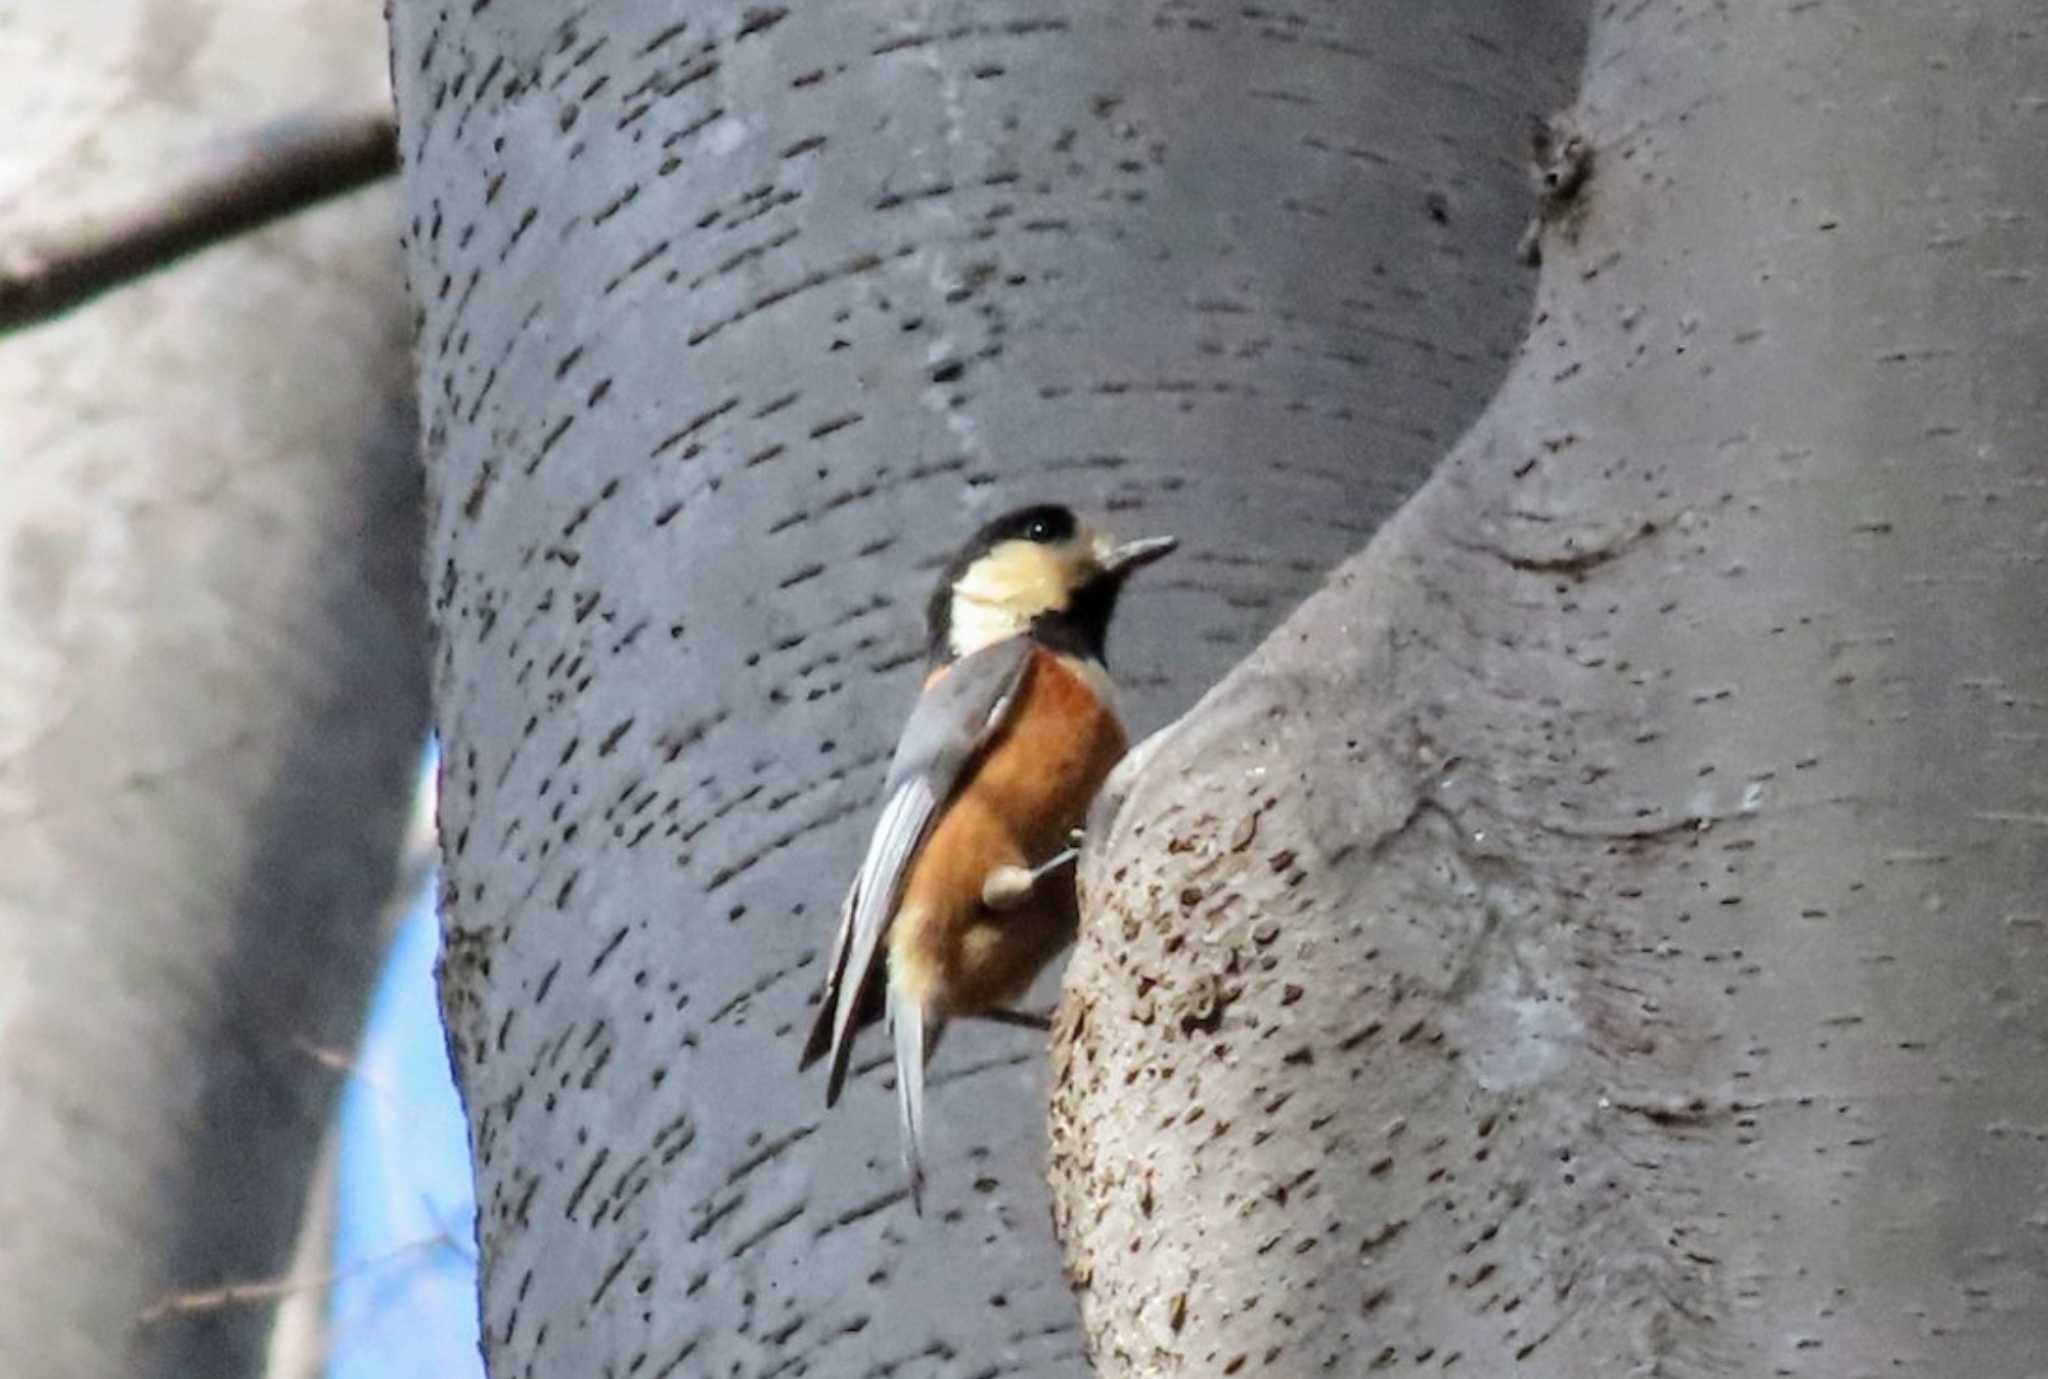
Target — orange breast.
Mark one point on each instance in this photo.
(1030, 788)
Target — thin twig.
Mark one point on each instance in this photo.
(270, 1289)
(256, 178)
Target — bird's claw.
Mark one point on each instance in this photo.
(1006, 888)
(1023, 1019)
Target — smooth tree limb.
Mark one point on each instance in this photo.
(1601, 932)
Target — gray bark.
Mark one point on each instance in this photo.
(735, 318)
(1602, 932)
(215, 689)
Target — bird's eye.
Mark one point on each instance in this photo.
(1039, 530)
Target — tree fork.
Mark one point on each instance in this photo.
(1600, 932)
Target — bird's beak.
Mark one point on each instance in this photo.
(1121, 560)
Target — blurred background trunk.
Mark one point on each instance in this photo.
(212, 710)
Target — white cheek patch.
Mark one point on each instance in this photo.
(1002, 593)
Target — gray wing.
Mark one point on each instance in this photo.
(950, 723)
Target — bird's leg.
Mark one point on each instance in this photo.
(1006, 888)
(1024, 1019)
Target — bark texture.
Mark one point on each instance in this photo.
(215, 689)
(734, 318)
(1602, 933)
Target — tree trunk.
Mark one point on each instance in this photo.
(214, 694)
(736, 318)
(1602, 933)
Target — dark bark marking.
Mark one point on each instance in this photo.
(1574, 564)
(693, 426)
(760, 19)
(584, 1183)
(767, 1231)
(617, 1267)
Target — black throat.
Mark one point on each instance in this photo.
(1082, 627)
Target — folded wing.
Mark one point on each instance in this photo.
(953, 720)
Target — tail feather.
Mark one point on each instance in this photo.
(825, 1027)
(836, 1036)
(907, 1020)
(820, 1042)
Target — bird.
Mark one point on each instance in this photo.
(966, 892)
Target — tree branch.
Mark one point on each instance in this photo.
(271, 1289)
(256, 178)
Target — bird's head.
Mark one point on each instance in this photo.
(1039, 570)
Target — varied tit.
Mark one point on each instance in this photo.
(966, 891)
